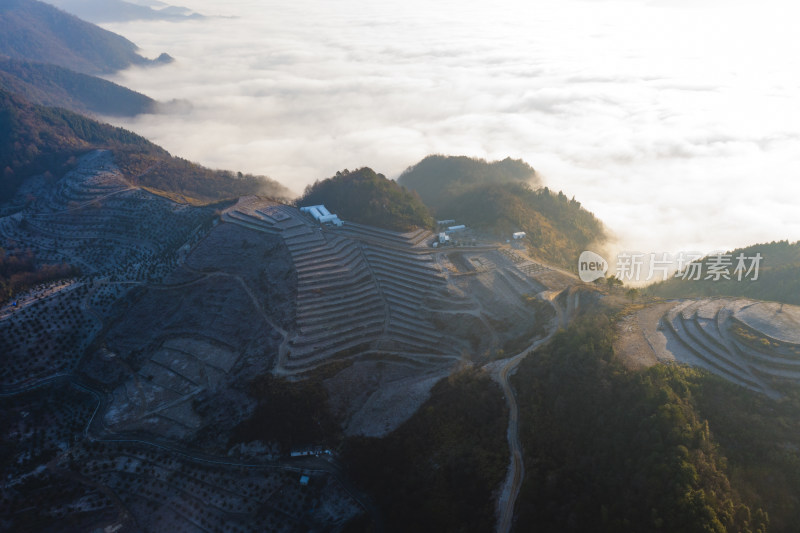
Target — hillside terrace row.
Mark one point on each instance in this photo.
(706, 329)
(94, 220)
(358, 286)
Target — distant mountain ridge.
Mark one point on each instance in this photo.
(49, 57)
(778, 277)
(45, 140)
(54, 86)
(34, 31)
(119, 10)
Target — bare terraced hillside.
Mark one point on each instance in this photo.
(120, 389)
(93, 218)
(197, 338)
(119, 236)
(183, 332)
(403, 311)
(747, 342)
(60, 474)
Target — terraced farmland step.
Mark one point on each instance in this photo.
(321, 262)
(403, 261)
(411, 288)
(673, 313)
(234, 218)
(680, 336)
(331, 283)
(410, 332)
(304, 360)
(755, 356)
(328, 249)
(418, 236)
(321, 347)
(299, 235)
(317, 311)
(402, 305)
(314, 305)
(695, 333)
(372, 233)
(424, 285)
(401, 297)
(402, 343)
(401, 254)
(407, 269)
(341, 326)
(411, 318)
(347, 262)
(774, 371)
(336, 317)
(326, 272)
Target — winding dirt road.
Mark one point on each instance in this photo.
(516, 471)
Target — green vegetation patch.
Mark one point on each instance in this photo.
(439, 178)
(366, 197)
(608, 449)
(503, 197)
(557, 228)
(778, 277)
(293, 414)
(439, 471)
(19, 272)
(761, 440)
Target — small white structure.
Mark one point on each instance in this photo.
(304, 480)
(322, 215)
(445, 222)
(316, 451)
(330, 218)
(454, 229)
(444, 238)
(302, 453)
(519, 235)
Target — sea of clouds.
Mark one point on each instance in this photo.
(676, 122)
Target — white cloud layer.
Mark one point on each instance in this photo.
(677, 123)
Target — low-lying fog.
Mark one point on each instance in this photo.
(676, 122)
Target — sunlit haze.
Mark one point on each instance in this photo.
(675, 122)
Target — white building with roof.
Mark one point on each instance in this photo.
(321, 214)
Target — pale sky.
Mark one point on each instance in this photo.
(677, 123)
